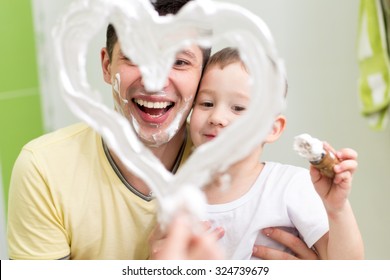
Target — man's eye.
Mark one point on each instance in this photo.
(128, 60)
(238, 108)
(181, 62)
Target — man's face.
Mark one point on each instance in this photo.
(155, 116)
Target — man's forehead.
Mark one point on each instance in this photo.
(193, 52)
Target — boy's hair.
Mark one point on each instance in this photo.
(163, 7)
(227, 56)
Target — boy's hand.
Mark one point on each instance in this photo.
(334, 191)
(180, 241)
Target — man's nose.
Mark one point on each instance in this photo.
(164, 84)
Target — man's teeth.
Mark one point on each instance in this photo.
(153, 105)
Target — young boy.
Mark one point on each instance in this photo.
(264, 194)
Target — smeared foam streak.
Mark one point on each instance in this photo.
(175, 125)
(225, 181)
(188, 199)
(116, 85)
(308, 147)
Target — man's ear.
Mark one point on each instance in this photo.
(277, 129)
(106, 65)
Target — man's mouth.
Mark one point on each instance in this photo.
(152, 108)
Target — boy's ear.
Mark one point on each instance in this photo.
(106, 65)
(277, 129)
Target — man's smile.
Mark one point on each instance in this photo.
(152, 111)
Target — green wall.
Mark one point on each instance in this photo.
(20, 106)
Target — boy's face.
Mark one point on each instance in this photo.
(156, 116)
(224, 95)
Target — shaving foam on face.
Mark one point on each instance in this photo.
(313, 150)
(119, 102)
(117, 88)
(163, 136)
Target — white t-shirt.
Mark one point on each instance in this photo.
(282, 196)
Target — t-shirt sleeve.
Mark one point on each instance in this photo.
(35, 224)
(305, 208)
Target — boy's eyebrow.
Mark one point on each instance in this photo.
(238, 94)
(242, 95)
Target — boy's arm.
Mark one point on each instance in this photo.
(344, 240)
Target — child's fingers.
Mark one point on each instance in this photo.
(328, 147)
(346, 166)
(315, 174)
(346, 153)
(342, 154)
(345, 177)
(218, 232)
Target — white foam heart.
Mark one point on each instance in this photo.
(137, 22)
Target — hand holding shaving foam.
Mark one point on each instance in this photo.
(313, 150)
(333, 182)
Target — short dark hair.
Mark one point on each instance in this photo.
(227, 56)
(163, 7)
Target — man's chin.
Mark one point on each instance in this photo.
(156, 139)
(155, 135)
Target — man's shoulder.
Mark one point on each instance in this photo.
(63, 136)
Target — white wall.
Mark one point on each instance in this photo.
(317, 40)
(56, 113)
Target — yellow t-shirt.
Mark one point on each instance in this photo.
(66, 200)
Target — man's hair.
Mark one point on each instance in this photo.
(163, 7)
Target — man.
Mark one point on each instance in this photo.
(71, 197)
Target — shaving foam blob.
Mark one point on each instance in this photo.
(313, 150)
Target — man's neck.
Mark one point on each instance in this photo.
(166, 153)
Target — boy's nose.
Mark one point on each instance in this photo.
(219, 118)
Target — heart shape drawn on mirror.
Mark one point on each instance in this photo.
(201, 22)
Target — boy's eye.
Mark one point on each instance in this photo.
(238, 108)
(206, 104)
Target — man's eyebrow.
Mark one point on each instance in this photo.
(188, 53)
(121, 53)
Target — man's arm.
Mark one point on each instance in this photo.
(294, 243)
(34, 229)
